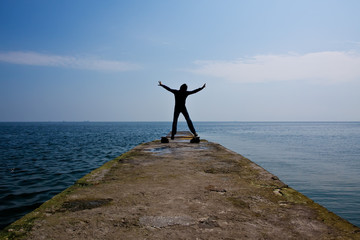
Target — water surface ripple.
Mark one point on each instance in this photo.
(319, 159)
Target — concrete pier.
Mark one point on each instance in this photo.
(180, 190)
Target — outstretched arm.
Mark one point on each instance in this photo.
(197, 90)
(166, 87)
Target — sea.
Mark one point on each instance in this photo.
(41, 159)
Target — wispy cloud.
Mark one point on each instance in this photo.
(88, 63)
(325, 67)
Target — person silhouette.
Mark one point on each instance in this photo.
(180, 100)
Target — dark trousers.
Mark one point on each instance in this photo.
(188, 120)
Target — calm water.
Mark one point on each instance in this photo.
(39, 160)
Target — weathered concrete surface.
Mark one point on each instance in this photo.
(180, 190)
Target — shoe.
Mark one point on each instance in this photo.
(195, 140)
(172, 137)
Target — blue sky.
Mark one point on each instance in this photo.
(101, 60)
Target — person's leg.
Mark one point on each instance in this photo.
(189, 122)
(174, 125)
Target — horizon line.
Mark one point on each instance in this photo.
(150, 121)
